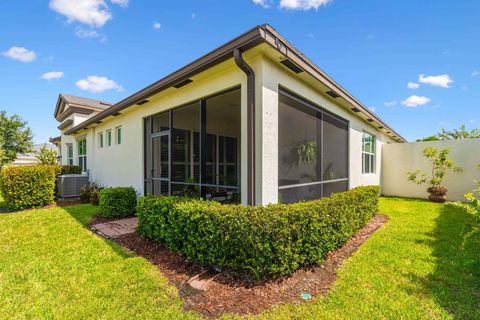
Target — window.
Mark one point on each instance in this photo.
(82, 154)
(69, 154)
(368, 153)
(109, 138)
(100, 140)
(118, 135)
(313, 151)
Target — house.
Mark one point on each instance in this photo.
(253, 120)
(30, 158)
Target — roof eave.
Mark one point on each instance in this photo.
(274, 39)
(253, 37)
(244, 42)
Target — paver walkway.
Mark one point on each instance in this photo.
(116, 228)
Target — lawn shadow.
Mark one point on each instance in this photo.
(84, 214)
(455, 282)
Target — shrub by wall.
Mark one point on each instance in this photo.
(118, 202)
(28, 186)
(70, 169)
(264, 241)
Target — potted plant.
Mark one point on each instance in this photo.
(441, 165)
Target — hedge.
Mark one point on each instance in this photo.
(268, 241)
(28, 186)
(69, 169)
(117, 202)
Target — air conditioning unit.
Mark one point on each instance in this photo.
(69, 185)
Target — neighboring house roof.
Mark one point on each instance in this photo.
(30, 158)
(254, 37)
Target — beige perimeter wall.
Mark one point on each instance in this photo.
(399, 158)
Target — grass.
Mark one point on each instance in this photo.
(415, 267)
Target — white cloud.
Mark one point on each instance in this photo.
(84, 33)
(156, 25)
(263, 3)
(413, 85)
(294, 4)
(21, 54)
(52, 75)
(415, 101)
(443, 80)
(391, 103)
(475, 73)
(122, 3)
(303, 4)
(372, 109)
(98, 84)
(94, 13)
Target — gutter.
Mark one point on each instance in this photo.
(244, 42)
(242, 64)
(274, 39)
(248, 40)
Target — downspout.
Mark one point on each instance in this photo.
(237, 55)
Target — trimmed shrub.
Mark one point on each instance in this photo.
(117, 202)
(264, 241)
(28, 186)
(70, 169)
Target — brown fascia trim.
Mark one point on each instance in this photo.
(75, 109)
(274, 39)
(244, 42)
(55, 140)
(65, 124)
(248, 40)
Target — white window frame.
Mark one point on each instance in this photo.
(69, 154)
(371, 154)
(82, 156)
(117, 136)
(109, 137)
(101, 140)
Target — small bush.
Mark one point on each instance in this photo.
(264, 241)
(85, 194)
(118, 202)
(28, 186)
(70, 170)
(95, 196)
(90, 194)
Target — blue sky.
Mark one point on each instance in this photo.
(109, 49)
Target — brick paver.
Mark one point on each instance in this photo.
(116, 228)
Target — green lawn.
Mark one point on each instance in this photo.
(415, 267)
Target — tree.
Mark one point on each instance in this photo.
(15, 137)
(455, 134)
(46, 155)
(441, 165)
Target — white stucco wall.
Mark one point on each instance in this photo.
(398, 159)
(122, 165)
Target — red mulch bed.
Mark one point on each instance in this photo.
(230, 292)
